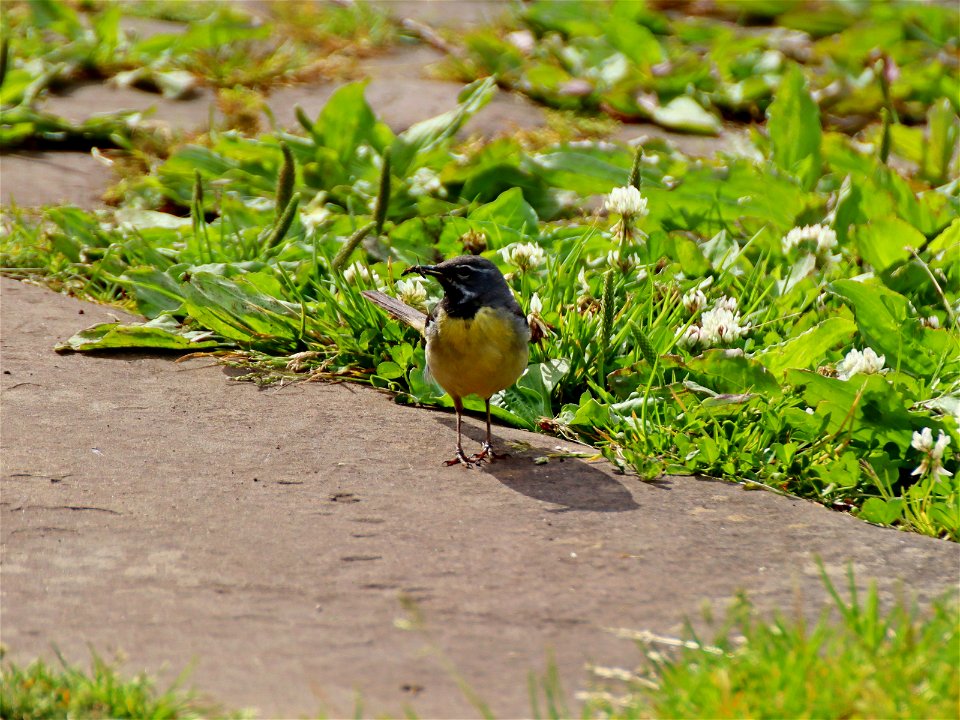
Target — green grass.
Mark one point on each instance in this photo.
(42, 691)
(856, 661)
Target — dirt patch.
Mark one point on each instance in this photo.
(267, 536)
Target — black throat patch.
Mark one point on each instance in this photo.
(456, 305)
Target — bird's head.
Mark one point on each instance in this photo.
(467, 281)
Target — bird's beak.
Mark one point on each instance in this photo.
(422, 270)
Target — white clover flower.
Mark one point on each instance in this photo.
(359, 271)
(942, 442)
(627, 201)
(816, 240)
(312, 218)
(694, 300)
(412, 292)
(523, 255)
(720, 326)
(860, 363)
(932, 322)
(726, 303)
(691, 337)
(932, 460)
(426, 182)
(923, 440)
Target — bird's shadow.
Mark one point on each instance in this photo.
(570, 483)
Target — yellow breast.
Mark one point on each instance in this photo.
(481, 355)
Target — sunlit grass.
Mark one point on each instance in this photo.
(857, 661)
(51, 691)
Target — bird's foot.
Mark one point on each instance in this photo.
(461, 459)
(487, 453)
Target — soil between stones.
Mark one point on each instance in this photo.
(266, 536)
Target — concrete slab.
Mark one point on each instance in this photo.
(78, 102)
(33, 179)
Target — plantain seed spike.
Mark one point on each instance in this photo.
(282, 226)
(285, 179)
(635, 179)
(606, 323)
(885, 136)
(303, 119)
(197, 205)
(646, 347)
(351, 244)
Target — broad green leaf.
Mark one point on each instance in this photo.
(389, 370)
(635, 41)
(346, 122)
(865, 406)
(57, 16)
(236, 309)
(138, 219)
(947, 241)
(880, 511)
(686, 115)
(531, 397)
(944, 129)
(794, 127)
(505, 220)
(162, 333)
(509, 210)
(721, 251)
(885, 242)
(581, 172)
(156, 292)
(726, 372)
(888, 324)
(809, 348)
(426, 135)
(571, 19)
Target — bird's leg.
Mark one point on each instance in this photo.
(461, 458)
(486, 452)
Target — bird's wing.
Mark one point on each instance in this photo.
(402, 312)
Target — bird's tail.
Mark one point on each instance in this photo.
(401, 311)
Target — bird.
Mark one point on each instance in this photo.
(477, 337)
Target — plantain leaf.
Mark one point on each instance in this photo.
(161, 333)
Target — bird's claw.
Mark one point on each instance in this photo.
(460, 459)
(487, 453)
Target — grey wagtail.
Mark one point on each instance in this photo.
(477, 336)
